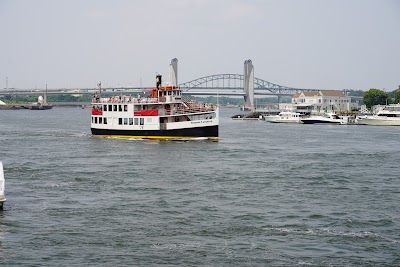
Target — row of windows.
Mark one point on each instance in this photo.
(121, 121)
(119, 108)
(115, 108)
(165, 93)
(319, 101)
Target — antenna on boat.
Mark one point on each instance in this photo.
(99, 86)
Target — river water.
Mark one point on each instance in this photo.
(264, 195)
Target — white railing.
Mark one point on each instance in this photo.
(125, 99)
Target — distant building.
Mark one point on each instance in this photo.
(364, 109)
(322, 101)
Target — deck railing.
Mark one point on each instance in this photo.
(124, 100)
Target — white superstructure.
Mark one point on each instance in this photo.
(285, 117)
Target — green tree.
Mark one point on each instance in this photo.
(397, 96)
(376, 97)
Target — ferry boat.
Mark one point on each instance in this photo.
(387, 116)
(165, 114)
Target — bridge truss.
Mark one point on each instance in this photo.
(235, 82)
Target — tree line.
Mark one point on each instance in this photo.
(375, 96)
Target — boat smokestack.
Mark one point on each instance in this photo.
(158, 80)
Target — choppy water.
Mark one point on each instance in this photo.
(265, 195)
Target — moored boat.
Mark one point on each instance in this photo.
(164, 114)
(38, 106)
(387, 116)
(285, 117)
(327, 118)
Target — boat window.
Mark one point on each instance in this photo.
(105, 108)
(120, 121)
(125, 121)
(95, 119)
(130, 121)
(125, 108)
(105, 120)
(115, 108)
(141, 121)
(136, 121)
(120, 107)
(92, 119)
(109, 107)
(100, 120)
(169, 92)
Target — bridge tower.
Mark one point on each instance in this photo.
(248, 84)
(173, 72)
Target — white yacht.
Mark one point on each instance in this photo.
(285, 117)
(327, 118)
(387, 116)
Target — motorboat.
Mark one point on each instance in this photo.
(327, 118)
(285, 117)
(2, 184)
(387, 116)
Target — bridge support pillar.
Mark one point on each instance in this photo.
(173, 72)
(248, 85)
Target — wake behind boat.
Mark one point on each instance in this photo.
(2, 186)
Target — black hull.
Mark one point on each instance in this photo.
(40, 107)
(208, 132)
(319, 122)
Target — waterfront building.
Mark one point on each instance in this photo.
(322, 101)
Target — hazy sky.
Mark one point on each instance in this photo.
(328, 44)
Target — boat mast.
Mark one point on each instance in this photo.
(99, 85)
(45, 96)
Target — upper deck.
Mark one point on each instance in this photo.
(167, 103)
